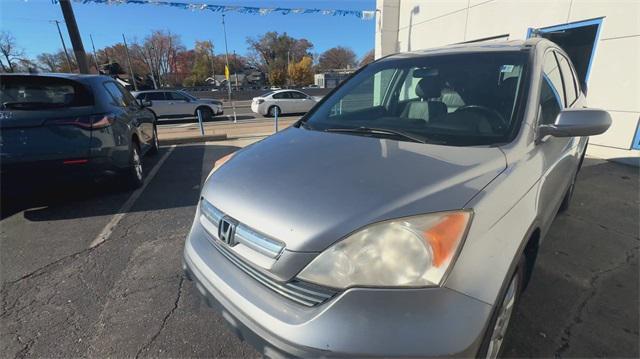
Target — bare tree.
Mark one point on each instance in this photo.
(11, 54)
(337, 58)
(368, 58)
(159, 52)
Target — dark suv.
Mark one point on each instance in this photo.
(66, 125)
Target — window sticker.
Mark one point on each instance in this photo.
(506, 68)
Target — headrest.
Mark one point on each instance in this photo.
(508, 87)
(429, 88)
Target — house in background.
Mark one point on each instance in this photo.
(331, 79)
(601, 37)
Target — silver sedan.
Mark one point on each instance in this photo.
(402, 215)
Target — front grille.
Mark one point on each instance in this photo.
(300, 292)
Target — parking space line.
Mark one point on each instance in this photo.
(108, 229)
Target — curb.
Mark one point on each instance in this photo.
(192, 139)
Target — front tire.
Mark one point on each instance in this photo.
(494, 337)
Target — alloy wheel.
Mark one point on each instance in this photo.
(137, 163)
(502, 322)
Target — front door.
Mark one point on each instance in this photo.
(559, 154)
(179, 104)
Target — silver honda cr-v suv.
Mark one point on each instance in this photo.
(402, 215)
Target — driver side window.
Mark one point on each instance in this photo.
(551, 93)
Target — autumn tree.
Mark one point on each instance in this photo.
(56, 62)
(10, 52)
(368, 58)
(301, 72)
(158, 52)
(117, 53)
(202, 64)
(337, 58)
(273, 52)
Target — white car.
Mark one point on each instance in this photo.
(282, 101)
(176, 104)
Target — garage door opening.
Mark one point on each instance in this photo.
(577, 39)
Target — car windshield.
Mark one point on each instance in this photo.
(462, 100)
(40, 92)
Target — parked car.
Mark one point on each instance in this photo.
(402, 215)
(282, 101)
(177, 104)
(69, 125)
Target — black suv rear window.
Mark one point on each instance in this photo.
(42, 92)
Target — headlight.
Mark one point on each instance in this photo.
(410, 252)
(221, 161)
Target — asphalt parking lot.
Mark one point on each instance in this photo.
(95, 271)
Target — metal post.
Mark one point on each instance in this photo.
(226, 56)
(213, 66)
(276, 112)
(74, 35)
(131, 73)
(200, 122)
(95, 56)
(66, 54)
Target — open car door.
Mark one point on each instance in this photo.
(578, 40)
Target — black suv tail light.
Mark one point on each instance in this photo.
(90, 122)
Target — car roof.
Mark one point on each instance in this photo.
(472, 47)
(283, 90)
(79, 77)
(159, 90)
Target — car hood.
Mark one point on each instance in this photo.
(309, 188)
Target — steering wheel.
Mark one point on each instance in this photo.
(498, 123)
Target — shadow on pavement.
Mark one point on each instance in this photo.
(583, 297)
(183, 171)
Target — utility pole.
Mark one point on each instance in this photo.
(95, 56)
(131, 73)
(66, 54)
(74, 35)
(226, 56)
(288, 66)
(235, 71)
(213, 68)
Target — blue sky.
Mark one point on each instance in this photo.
(29, 22)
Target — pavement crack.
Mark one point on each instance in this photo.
(164, 320)
(577, 317)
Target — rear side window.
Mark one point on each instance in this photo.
(41, 92)
(121, 96)
(297, 95)
(569, 80)
(281, 95)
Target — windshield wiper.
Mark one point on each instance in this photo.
(382, 131)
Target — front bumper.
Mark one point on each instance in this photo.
(432, 322)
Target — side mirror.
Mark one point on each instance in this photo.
(577, 123)
(145, 103)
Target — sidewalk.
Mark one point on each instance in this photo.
(220, 131)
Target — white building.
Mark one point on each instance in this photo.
(601, 36)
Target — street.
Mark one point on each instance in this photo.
(90, 271)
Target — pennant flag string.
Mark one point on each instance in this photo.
(252, 10)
